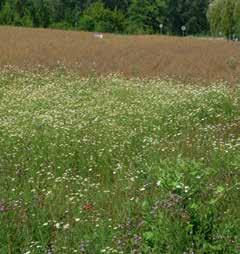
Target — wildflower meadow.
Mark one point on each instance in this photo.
(113, 165)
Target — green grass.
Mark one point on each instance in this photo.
(107, 165)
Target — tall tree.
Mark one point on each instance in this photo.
(145, 16)
(224, 17)
(102, 19)
(237, 18)
(189, 13)
(7, 14)
(131, 16)
(117, 4)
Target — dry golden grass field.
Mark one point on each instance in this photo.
(144, 56)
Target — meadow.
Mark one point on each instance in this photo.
(152, 56)
(113, 165)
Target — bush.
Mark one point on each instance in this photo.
(103, 18)
(104, 27)
(24, 21)
(133, 28)
(86, 23)
(61, 25)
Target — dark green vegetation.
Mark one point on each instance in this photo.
(118, 166)
(118, 16)
(221, 17)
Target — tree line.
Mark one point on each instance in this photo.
(126, 16)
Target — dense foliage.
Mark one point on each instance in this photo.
(126, 16)
(119, 16)
(224, 17)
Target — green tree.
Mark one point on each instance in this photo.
(214, 15)
(189, 13)
(227, 18)
(42, 13)
(86, 23)
(131, 16)
(236, 16)
(22, 16)
(121, 5)
(145, 16)
(224, 16)
(104, 19)
(7, 14)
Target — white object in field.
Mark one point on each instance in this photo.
(98, 35)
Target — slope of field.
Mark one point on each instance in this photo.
(106, 165)
(144, 56)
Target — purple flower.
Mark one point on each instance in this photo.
(3, 207)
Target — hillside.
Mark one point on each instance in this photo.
(143, 56)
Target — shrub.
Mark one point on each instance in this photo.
(61, 25)
(86, 23)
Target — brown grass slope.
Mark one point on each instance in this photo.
(144, 56)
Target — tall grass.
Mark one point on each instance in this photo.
(145, 56)
(107, 165)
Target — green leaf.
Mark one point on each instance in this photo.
(220, 189)
(148, 235)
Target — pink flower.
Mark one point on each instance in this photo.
(3, 208)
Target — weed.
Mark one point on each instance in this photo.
(109, 165)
